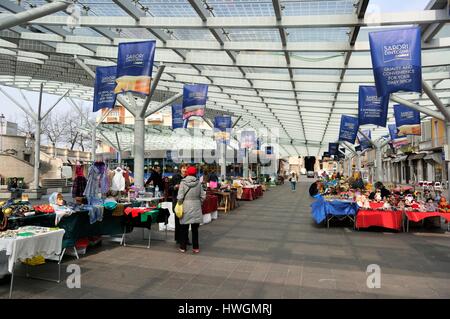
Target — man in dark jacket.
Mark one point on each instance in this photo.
(155, 179)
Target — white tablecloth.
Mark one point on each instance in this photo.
(46, 244)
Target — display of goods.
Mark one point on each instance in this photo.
(46, 209)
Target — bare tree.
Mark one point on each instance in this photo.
(27, 125)
(54, 129)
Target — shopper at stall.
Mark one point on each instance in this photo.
(293, 180)
(191, 195)
(155, 179)
(175, 186)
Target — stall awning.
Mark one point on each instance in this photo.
(400, 159)
(416, 156)
(436, 157)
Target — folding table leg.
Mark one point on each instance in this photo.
(123, 236)
(12, 282)
(149, 237)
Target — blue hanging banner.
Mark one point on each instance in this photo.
(396, 60)
(177, 116)
(407, 120)
(134, 67)
(333, 148)
(371, 108)
(194, 100)
(222, 128)
(349, 129)
(396, 141)
(105, 82)
(363, 142)
(248, 139)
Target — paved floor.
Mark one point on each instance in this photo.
(268, 248)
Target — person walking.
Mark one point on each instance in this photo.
(191, 194)
(293, 180)
(176, 180)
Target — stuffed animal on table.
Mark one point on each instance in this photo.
(378, 196)
(387, 205)
(443, 206)
(430, 205)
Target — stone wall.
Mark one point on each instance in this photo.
(11, 166)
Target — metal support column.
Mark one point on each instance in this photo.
(223, 165)
(378, 163)
(37, 141)
(139, 146)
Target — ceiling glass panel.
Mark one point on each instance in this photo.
(239, 8)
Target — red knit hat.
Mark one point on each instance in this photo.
(191, 171)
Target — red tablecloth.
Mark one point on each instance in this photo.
(210, 204)
(382, 218)
(418, 216)
(248, 194)
(375, 205)
(258, 191)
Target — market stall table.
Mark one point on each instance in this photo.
(420, 216)
(143, 217)
(248, 193)
(29, 242)
(209, 208)
(382, 218)
(323, 210)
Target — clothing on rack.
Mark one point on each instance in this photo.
(97, 182)
(79, 183)
(118, 181)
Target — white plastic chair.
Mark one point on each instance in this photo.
(437, 186)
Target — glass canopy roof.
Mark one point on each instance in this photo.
(262, 59)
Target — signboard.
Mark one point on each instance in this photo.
(194, 100)
(222, 128)
(333, 148)
(105, 82)
(396, 141)
(363, 142)
(371, 108)
(407, 120)
(134, 67)
(396, 60)
(348, 129)
(177, 116)
(248, 139)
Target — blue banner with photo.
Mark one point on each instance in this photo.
(194, 100)
(333, 148)
(371, 108)
(105, 82)
(177, 116)
(407, 120)
(396, 60)
(348, 129)
(396, 141)
(248, 139)
(364, 142)
(222, 128)
(135, 66)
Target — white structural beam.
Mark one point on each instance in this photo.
(314, 21)
(241, 46)
(32, 14)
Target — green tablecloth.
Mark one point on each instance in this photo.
(76, 225)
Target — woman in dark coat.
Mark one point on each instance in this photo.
(176, 180)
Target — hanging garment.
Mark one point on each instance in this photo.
(97, 181)
(118, 181)
(126, 176)
(79, 183)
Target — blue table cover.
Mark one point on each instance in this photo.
(320, 208)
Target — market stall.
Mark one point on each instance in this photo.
(28, 242)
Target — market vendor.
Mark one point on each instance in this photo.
(315, 188)
(385, 193)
